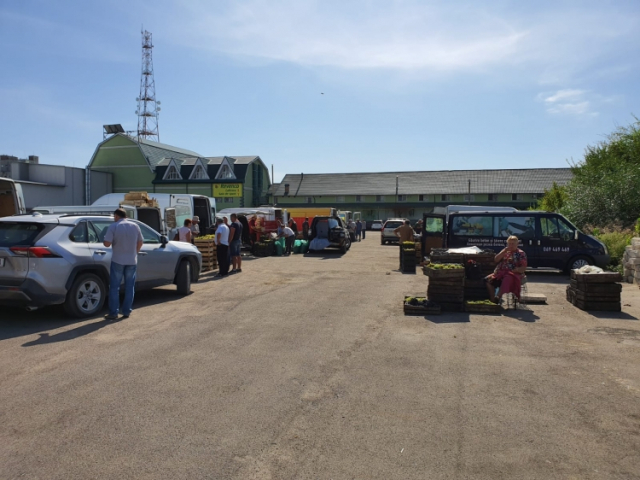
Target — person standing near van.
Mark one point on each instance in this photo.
(184, 232)
(289, 239)
(305, 228)
(195, 227)
(359, 230)
(235, 244)
(126, 240)
(222, 248)
(364, 228)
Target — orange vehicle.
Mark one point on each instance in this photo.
(299, 214)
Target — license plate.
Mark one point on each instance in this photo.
(1, 262)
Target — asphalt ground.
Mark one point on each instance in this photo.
(305, 367)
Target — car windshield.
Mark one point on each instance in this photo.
(392, 224)
(13, 234)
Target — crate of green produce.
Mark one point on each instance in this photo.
(419, 306)
(444, 270)
(482, 306)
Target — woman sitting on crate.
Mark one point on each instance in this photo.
(507, 276)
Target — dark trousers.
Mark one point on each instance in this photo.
(222, 252)
(289, 243)
(363, 234)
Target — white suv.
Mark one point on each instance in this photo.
(386, 234)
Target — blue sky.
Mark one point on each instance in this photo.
(408, 85)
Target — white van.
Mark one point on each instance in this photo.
(11, 198)
(174, 209)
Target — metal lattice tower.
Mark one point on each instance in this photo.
(148, 108)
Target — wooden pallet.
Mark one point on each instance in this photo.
(590, 303)
(605, 277)
(596, 288)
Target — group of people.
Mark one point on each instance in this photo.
(189, 230)
(228, 239)
(359, 228)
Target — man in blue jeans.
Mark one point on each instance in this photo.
(125, 238)
(235, 244)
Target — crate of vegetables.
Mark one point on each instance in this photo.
(482, 306)
(419, 306)
(444, 270)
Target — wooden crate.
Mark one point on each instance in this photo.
(452, 307)
(207, 249)
(457, 273)
(591, 304)
(419, 309)
(596, 288)
(445, 298)
(488, 309)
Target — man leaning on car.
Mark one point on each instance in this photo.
(125, 238)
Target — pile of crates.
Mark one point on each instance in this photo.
(595, 291)
(208, 250)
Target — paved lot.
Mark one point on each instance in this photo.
(306, 368)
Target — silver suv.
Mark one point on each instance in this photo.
(386, 233)
(60, 259)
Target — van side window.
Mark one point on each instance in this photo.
(182, 213)
(565, 230)
(472, 226)
(549, 227)
(521, 227)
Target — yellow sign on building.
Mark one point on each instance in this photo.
(227, 190)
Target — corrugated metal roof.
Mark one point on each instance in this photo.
(454, 182)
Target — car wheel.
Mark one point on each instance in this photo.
(183, 279)
(86, 296)
(578, 262)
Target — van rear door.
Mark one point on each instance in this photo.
(434, 232)
(11, 198)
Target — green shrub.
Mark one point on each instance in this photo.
(615, 238)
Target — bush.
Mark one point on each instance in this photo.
(615, 238)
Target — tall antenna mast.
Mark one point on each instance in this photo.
(148, 108)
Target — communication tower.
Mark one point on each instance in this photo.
(148, 107)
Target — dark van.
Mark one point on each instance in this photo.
(548, 239)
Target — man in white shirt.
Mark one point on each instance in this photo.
(290, 237)
(222, 248)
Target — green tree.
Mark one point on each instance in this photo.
(553, 200)
(606, 184)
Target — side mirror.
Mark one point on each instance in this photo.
(164, 240)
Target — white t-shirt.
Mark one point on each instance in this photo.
(287, 232)
(223, 231)
(182, 232)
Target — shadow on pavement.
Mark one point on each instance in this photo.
(325, 255)
(547, 276)
(527, 315)
(613, 315)
(18, 322)
(448, 317)
(70, 334)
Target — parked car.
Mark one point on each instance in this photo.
(387, 235)
(376, 225)
(329, 231)
(60, 259)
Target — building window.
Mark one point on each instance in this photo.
(515, 196)
(493, 197)
(445, 198)
(173, 174)
(340, 199)
(469, 198)
(402, 198)
(421, 198)
(309, 199)
(358, 198)
(199, 173)
(379, 198)
(225, 172)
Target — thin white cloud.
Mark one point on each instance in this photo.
(569, 102)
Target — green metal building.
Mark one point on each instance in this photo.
(142, 165)
(410, 194)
